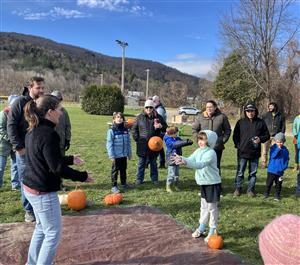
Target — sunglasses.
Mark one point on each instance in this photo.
(250, 110)
(148, 107)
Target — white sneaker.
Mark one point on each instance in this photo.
(115, 189)
(206, 239)
(197, 233)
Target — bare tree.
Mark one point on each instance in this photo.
(261, 31)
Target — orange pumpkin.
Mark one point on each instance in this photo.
(77, 200)
(130, 122)
(114, 198)
(215, 241)
(155, 143)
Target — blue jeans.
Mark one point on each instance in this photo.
(21, 165)
(141, 168)
(47, 233)
(298, 184)
(173, 174)
(15, 183)
(241, 167)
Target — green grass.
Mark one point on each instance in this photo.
(241, 219)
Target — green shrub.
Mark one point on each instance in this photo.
(102, 100)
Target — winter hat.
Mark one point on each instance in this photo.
(57, 94)
(279, 137)
(149, 103)
(279, 243)
(11, 99)
(250, 106)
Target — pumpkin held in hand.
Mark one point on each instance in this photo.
(114, 198)
(77, 200)
(155, 143)
(215, 241)
(130, 122)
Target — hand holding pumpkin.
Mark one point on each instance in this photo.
(77, 160)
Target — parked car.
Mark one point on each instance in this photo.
(186, 110)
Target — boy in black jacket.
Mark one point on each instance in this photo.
(248, 135)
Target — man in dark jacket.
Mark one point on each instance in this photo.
(275, 122)
(248, 135)
(148, 124)
(213, 119)
(16, 130)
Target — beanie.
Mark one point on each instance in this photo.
(279, 137)
(279, 243)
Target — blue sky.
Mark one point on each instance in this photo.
(182, 34)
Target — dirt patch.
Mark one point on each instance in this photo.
(135, 235)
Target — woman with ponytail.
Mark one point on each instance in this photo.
(45, 168)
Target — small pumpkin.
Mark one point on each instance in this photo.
(215, 241)
(77, 200)
(113, 198)
(63, 199)
(155, 143)
(130, 122)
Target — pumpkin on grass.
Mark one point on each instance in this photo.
(155, 143)
(113, 198)
(77, 200)
(215, 241)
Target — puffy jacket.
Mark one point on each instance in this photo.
(143, 130)
(118, 141)
(16, 123)
(279, 160)
(160, 109)
(45, 164)
(275, 123)
(244, 131)
(174, 145)
(218, 123)
(5, 145)
(204, 160)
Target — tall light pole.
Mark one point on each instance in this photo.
(123, 44)
(147, 83)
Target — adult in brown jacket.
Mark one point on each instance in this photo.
(213, 119)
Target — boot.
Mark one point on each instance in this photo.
(168, 188)
(176, 188)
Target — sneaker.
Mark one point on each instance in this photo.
(277, 199)
(127, 186)
(197, 233)
(29, 217)
(251, 194)
(115, 189)
(207, 238)
(138, 182)
(155, 182)
(237, 192)
(169, 188)
(16, 188)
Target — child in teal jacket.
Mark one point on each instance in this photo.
(204, 160)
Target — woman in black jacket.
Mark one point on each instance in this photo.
(44, 169)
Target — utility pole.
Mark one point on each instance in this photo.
(101, 79)
(147, 83)
(123, 44)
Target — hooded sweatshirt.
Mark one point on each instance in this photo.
(204, 160)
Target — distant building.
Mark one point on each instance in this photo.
(135, 98)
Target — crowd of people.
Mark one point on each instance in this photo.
(35, 132)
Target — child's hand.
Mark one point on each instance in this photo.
(77, 160)
(177, 160)
(280, 179)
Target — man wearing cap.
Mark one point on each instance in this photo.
(160, 109)
(275, 122)
(248, 134)
(17, 129)
(63, 128)
(148, 123)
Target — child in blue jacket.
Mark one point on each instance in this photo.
(118, 146)
(279, 161)
(174, 144)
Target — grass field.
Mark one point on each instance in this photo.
(241, 219)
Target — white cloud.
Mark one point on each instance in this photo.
(185, 56)
(53, 14)
(116, 6)
(195, 66)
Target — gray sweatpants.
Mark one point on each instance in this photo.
(209, 210)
